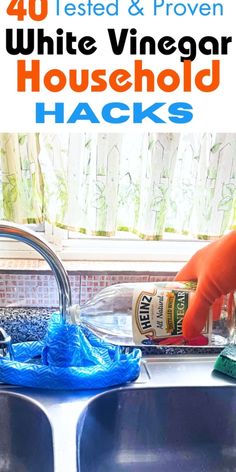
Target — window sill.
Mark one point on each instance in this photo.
(105, 256)
(32, 266)
(113, 251)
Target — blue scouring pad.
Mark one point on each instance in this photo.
(226, 361)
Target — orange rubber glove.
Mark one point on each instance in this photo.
(214, 268)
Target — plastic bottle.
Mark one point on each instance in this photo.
(152, 313)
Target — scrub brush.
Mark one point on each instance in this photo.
(226, 361)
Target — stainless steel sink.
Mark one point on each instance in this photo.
(26, 435)
(177, 416)
(166, 429)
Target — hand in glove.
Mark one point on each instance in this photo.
(214, 269)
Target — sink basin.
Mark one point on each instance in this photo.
(26, 435)
(179, 429)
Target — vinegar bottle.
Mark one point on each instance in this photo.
(152, 313)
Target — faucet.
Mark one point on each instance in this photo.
(14, 231)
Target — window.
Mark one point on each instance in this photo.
(120, 196)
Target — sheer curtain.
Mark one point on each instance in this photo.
(145, 183)
(21, 183)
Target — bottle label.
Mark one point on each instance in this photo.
(158, 311)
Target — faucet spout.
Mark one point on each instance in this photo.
(14, 231)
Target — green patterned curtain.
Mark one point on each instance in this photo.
(203, 194)
(21, 184)
(97, 184)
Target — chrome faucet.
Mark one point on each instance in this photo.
(13, 231)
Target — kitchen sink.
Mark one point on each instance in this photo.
(26, 435)
(181, 429)
(177, 416)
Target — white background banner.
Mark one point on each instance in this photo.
(116, 65)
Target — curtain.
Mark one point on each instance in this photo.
(203, 193)
(145, 183)
(21, 183)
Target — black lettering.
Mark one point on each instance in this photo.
(166, 45)
(214, 45)
(146, 325)
(187, 46)
(225, 40)
(117, 44)
(159, 324)
(19, 48)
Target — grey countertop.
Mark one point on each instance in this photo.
(30, 324)
(25, 324)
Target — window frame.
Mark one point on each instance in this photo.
(171, 250)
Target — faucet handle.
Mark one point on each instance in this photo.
(5, 344)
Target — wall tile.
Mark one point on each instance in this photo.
(40, 290)
(91, 284)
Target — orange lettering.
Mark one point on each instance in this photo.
(23, 75)
(168, 87)
(207, 72)
(58, 74)
(119, 80)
